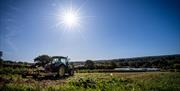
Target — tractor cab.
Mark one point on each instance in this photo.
(60, 65)
(60, 60)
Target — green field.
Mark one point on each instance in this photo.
(132, 81)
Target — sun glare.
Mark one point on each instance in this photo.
(70, 19)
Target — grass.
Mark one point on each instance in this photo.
(131, 81)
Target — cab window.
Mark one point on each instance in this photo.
(63, 61)
(55, 60)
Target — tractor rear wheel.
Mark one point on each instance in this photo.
(61, 71)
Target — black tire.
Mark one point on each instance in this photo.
(61, 71)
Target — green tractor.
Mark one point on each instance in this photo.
(59, 67)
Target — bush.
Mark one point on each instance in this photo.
(171, 70)
(177, 66)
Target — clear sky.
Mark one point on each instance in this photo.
(107, 29)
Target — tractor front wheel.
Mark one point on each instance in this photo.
(61, 71)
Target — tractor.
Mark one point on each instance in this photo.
(58, 67)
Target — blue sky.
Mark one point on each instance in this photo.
(108, 29)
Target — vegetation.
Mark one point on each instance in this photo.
(96, 79)
(89, 64)
(166, 62)
(42, 60)
(148, 81)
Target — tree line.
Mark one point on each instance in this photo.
(164, 62)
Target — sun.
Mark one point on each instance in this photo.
(70, 19)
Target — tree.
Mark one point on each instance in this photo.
(42, 60)
(1, 53)
(1, 61)
(177, 66)
(113, 64)
(89, 64)
(131, 64)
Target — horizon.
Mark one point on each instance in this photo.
(32, 61)
(98, 30)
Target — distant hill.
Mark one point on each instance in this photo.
(145, 58)
(162, 61)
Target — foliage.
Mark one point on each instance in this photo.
(1, 54)
(42, 60)
(163, 62)
(10, 70)
(113, 64)
(156, 81)
(89, 64)
(1, 61)
(97, 80)
(177, 66)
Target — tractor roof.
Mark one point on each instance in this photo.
(58, 57)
